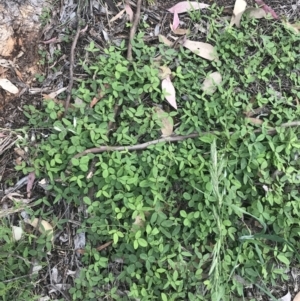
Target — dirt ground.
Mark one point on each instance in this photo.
(39, 61)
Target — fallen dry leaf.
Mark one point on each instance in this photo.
(19, 152)
(19, 74)
(56, 93)
(30, 181)
(94, 102)
(287, 297)
(204, 50)
(2, 71)
(211, 83)
(179, 31)
(100, 248)
(166, 122)
(8, 86)
(165, 41)
(164, 72)
(17, 233)
(44, 226)
(267, 8)
(117, 16)
(167, 85)
(297, 297)
(255, 121)
(255, 13)
(100, 95)
(129, 12)
(53, 40)
(139, 222)
(293, 27)
(176, 21)
(239, 8)
(183, 7)
(19, 161)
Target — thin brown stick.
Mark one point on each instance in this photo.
(133, 29)
(129, 53)
(72, 56)
(9, 211)
(101, 149)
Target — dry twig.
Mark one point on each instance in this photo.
(129, 52)
(9, 211)
(72, 56)
(133, 29)
(101, 149)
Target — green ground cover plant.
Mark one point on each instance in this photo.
(192, 220)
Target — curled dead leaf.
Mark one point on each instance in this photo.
(129, 12)
(211, 83)
(176, 20)
(239, 8)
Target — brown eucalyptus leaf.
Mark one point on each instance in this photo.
(165, 41)
(44, 226)
(185, 6)
(167, 85)
(179, 31)
(8, 86)
(204, 50)
(166, 121)
(239, 8)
